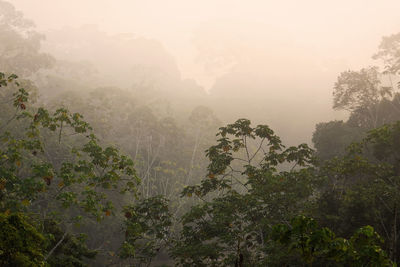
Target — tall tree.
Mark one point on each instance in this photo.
(20, 43)
(53, 166)
(360, 92)
(361, 188)
(243, 195)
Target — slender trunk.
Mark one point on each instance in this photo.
(239, 256)
(54, 248)
(196, 144)
(395, 234)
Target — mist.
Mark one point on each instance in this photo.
(158, 79)
(289, 51)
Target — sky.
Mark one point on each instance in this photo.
(278, 58)
(344, 32)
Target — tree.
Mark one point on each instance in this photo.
(242, 196)
(360, 92)
(202, 122)
(21, 243)
(371, 103)
(147, 230)
(389, 53)
(20, 43)
(303, 240)
(65, 249)
(250, 206)
(361, 187)
(53, 163)
(330, 139)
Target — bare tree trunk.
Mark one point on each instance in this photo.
(54, 248)
(196, 144)
(395, 234)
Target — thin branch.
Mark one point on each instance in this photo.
(261, 143)
(59, 135)
(54, 248)
(247, 151)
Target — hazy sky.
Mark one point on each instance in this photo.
(344, 31)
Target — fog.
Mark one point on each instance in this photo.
(264, 51)
(330, 31)
(146, 127)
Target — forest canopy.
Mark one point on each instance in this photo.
(140, 167)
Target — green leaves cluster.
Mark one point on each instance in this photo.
(244, 195)
(362, 187)
(245, 157)
(21, 244)
(26, 170)
(51, 161)
(250, 201)
(148, 225)
(303, 238)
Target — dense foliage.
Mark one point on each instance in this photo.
(102, 176)
(43, 174)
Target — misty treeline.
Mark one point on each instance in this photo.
(128, 165)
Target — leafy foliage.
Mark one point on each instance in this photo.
(354, 90)
(20, 43)
(246, 195)
(90, 166)
(21, 244)
(58, 180)
(249, 214)
(389, 53)
(320, 247)
(147, 230)
(362, 187)
(31, 180)
(71, 251)
(331, 138)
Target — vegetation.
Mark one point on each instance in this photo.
(104, 176)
